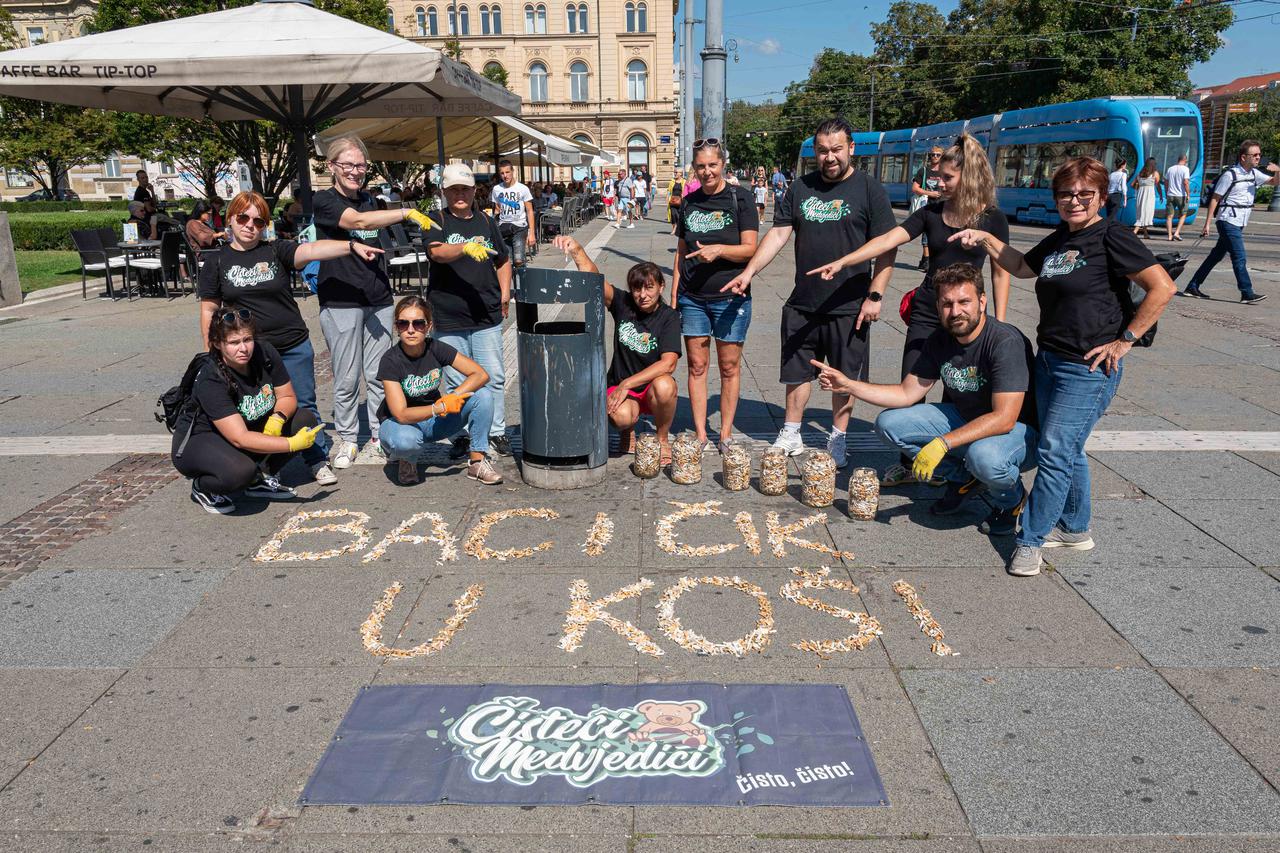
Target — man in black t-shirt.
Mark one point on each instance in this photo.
(646, 349)
(143, 191)
(833, 212)
(981, 436)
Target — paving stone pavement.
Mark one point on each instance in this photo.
(162, 687)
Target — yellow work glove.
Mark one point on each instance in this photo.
(417, 217)
(453, 403)
(477, 251)
(303, 438)
(274, 425)
(927, 459)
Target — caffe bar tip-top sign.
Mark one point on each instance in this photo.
(651, 744)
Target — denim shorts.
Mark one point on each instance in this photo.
(723, 319)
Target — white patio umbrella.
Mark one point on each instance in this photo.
(413, 140)
(281, 60)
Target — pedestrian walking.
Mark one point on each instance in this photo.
(609, 195)
(924, 189)
(1146, 183)
(761, 194)
(1177, 190)
(1088, 324)
(718, 230)
(514, 205)
(1117, 189)
(675, 197)
(1233, 199)
(833, 211)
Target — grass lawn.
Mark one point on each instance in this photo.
(38, 270)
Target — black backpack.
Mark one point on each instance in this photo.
(1235, 179)
(178, 403)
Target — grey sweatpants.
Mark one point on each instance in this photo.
(357, 339)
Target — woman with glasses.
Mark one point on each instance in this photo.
(924, 189)
(718, 229)
(246, 423)
(1088, 323)
(414, 411)
(251, 274)
(354, 293)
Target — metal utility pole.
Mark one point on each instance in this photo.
(713, 72)
(686, 87)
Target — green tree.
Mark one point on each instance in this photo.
(453, 48)
(496, 73)
(1263, 126)
(46, 140)
(753, 134)
(195, 147)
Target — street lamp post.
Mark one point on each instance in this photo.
(871, 112)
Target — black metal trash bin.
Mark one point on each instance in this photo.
(560, 344)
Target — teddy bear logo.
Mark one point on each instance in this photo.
(671, 722)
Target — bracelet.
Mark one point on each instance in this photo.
(945, 443)
(351, 246)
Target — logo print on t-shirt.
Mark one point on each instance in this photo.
(421, 386)
(962, 379)
(256, 405)
(816, 210)
(706, 221)
(635, 340)
(239, 276)
(1062, 263)
(455, 239)
(364, 234)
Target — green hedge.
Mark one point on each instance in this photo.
(39, 231)
(61, 206)
(1264, 195)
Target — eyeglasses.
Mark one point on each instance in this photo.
(1084, 197)
(709, 142)
(419, 325)
(245, 219)
(351, 168)
(229, 318)
(934, 155)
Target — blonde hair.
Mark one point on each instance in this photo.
(976, 193)
(345, 143)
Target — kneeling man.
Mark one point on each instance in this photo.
(982, 435)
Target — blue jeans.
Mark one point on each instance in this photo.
(1070, 400)
(405, 441)
(996, 461)
(1230, 241)
(724, 319)
(300, 363)
(484, 347)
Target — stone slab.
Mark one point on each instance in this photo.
(196, 750)
(802, 843)
(108, 842)
(1086, 752)
(1131, 844)
(1188, 616)
(91, 618)
(1241, 525)
(905, 534)
(1189, 475)
(1241, 705)
(37, 704)
(30, 481)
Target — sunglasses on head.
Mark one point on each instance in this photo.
(229, 318)
(709, 142)
(418, 324)
(245, 219)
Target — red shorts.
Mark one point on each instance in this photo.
(638, 396)
(608, 202)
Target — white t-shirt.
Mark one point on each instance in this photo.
(761, 192)
(510, 201)
(1238, 203)
(609, 191)
(1176, 178)
(1119, 183)
(642, 189)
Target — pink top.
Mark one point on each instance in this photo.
(692, 185)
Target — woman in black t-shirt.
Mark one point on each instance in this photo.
(248, 273)
(246, 419)
(968, 201)
(926, 186)
(718, 227)
(415, 411)
(1088, 323)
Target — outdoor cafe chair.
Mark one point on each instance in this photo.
(167, 266)
(95, 260)
(401, 258)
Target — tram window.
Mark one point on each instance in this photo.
(1110, 151)
(893, 168)
(1167, 139)
(1009, 160)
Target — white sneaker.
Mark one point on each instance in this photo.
(790, 442)
(324, 474)
(836, 447)
(347, 451)
(631, 225)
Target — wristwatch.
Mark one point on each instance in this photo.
(1128, 337)
(875, 297)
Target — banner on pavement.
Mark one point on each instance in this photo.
(647, 744)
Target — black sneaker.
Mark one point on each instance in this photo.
(923, 265)
(500, 445)
(1193, 290)
(1252, 298)
(955, 496)
(461, 447)
(211, 502)
(268, 488)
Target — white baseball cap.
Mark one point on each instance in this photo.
(457, 175)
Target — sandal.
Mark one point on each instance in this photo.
(664, 457)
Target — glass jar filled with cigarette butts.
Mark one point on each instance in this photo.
(736, 468)
(686, 460)
(818, 479)
(648, 461)
(864, 494)
(773, 472)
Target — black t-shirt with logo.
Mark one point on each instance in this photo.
(349, 281)
(1083, 288)
(997, 361)
(465, 294)
(640, 339)
(419, 377)
(928, 220)
(927, 179)
(716, 219)
(830, 221)
(251, 394)
(258, 280)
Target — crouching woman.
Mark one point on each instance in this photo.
(415, 412)
(246, 423)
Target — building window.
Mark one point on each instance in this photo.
(636, 77)
(35, 36)
(420, 16)
(433, 22)
(578, 81)
(111, 168)
(496, 14)
(637, 17)
(582, 17)
(484, 20)
(17, 178)
(538, 82)
(452, 12)
(535, 19)
(637, 151)
(631, 17)
(391, 21)
(464, 21)
(576, 17)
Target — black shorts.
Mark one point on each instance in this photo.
(825, 338)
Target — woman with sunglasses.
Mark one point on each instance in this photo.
(353, 290)
(1088, 323)
(246, 424)
(926, 187)
(414, 411)
(248, 273)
